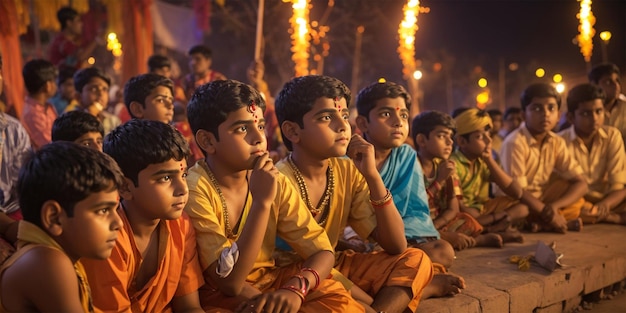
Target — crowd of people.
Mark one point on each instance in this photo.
(210, 195)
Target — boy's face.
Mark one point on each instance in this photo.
(161, 192)
(479, 142)
(75, 26)
(439, 142)
(198, 64)
(588, 118)
(388, 125)
(92, 231)
(97, 90)
(611, 86)
(326, 131)
(513, 121)
(541, 115)
(165, 71)
(91, 140)
(496, 122)
(242, 139)
(67, 89)
(159, 105)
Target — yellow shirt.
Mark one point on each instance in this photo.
(531, 163)
(289, 218)
(617, 117)
(349, 203)
(604, 167)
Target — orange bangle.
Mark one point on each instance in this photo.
(383, 201)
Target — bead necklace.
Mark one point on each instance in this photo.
(216, 185)
(304, 191)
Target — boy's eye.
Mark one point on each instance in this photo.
(103, 211)
(345, 116)
(165, 179)
(325, 118)
(385, 114)
(241, 129)
(404, 116)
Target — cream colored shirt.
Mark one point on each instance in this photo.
(531, 163)
(604, 167)
(617, 117)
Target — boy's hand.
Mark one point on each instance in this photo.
(458, 241)
(362, 154)
(263, 179)
(278, 301)
(445, 170)
(487, 153)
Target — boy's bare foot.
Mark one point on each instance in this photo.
(489, 240)
(512, 235)
(559, 224)
(458, 241)
(575, 224)
(443, 285)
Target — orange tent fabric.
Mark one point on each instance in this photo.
(11, 53)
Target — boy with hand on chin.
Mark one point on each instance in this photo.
(339, 192)
(384, 121)
(599, 149)
(239, 203)
(68, 196)
(531, 154)
(154, 266)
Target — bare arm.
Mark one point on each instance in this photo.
(189, 303)
(389, 232)
(611, 200)
(576, 190)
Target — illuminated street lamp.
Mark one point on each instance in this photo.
(605, 36)
(560, 87)
(557, 78)
(540, 72)
(417, 74)
(482, 82)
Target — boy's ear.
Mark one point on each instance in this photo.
(49, 87)
(420, 140)
(52, 215)
(291, 131)
(570, 118)
(136, 109)
(206, 141)
(124, 189)
(362, 123)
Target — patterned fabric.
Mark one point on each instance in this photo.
(14, 146)
(474, 180)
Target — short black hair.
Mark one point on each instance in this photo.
(73, 124)
(511, 110)
(67, 173)
(539, 90)
(37, 73)
(367, 97)
(202, 49)
(157, 61)
(604, 69)
(425, 122)
(84, 76)
(65, 14)
(583, 93)
(139, 87)
(137, 144)
(65, 73)
(299, 95)
(210, 103)
(456, 112)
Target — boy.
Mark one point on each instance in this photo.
(383, 119)
(38, 115)
(476, 169)
(92, 87)
(79, 127)
(599, 149)
(607, 77)
(200, 58)
(339, 192)
(154, 266)
(530, 155)
(496, 123)
(511, 120)
(68, 195)
(239, 203)
(68, 49)
(64, 100)
(149, 96)
(160, 65)
(432, 133)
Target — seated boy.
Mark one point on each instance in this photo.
(607, 76)
(432, 133)
(154, 265)
(92, 87)
(65, 98)
(68, 195)
(79, 127)
(531, 153)
(38, 115)
(239, 203)
(383, 119)
(149, 96)
(599, 149)
(476, 169)
(340, 192)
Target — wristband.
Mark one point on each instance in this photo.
(383, 201)
(315, 274)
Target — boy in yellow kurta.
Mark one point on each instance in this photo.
(599, 149)
(340, 192)
(239, 203)
(68, 196)
(531, 154)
